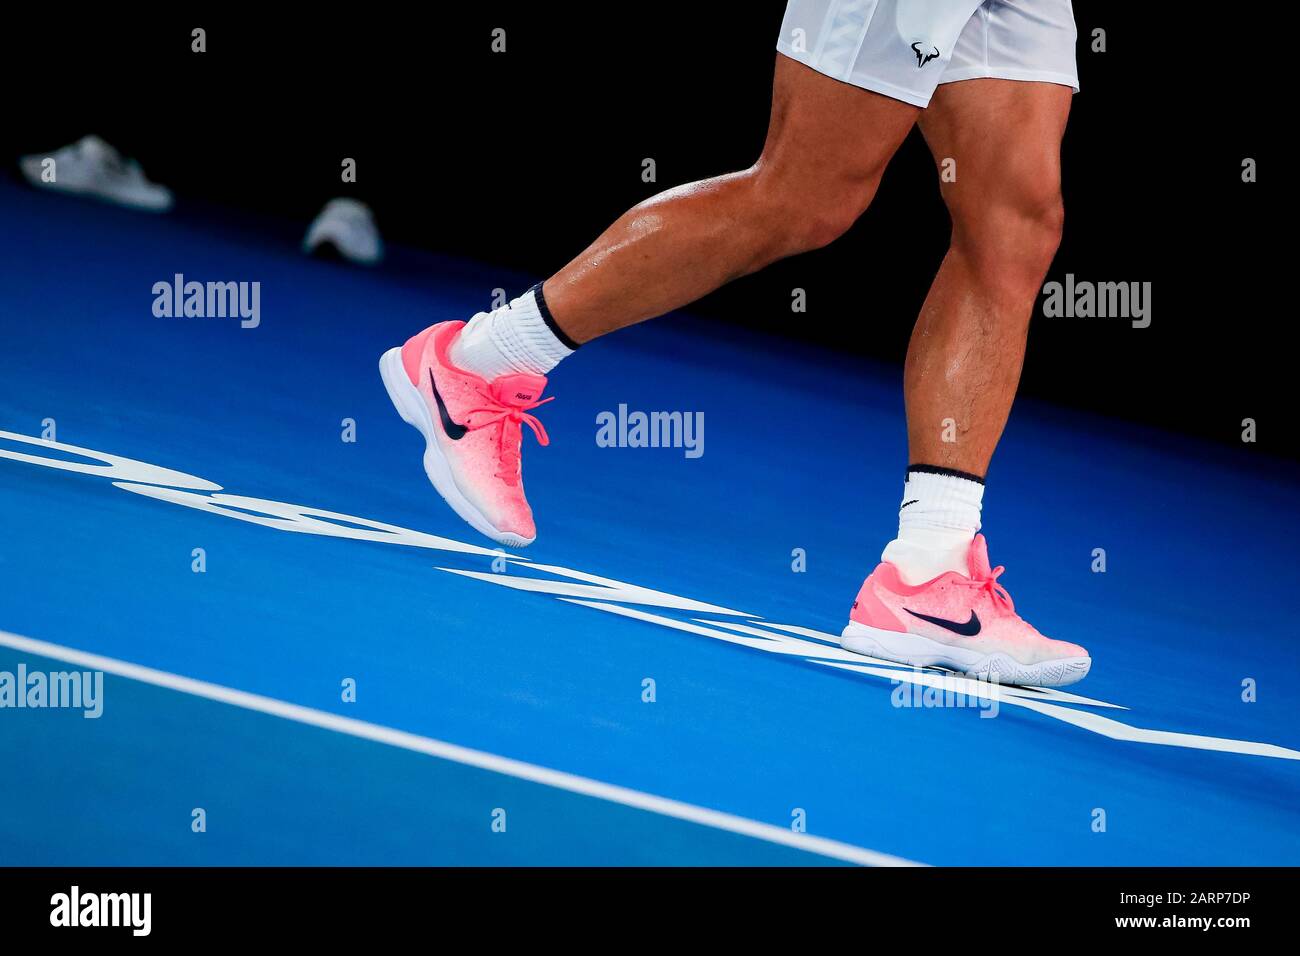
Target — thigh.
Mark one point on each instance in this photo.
(828, 139)
(997, 141)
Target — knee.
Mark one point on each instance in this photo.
(815, 225)
(1013, 237)
(1043, 220)
(1040, 227)
(799, 216)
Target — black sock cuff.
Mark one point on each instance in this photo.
(549, 319)
(950, 472)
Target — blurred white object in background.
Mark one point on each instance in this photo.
(346, 228)
(91, 167)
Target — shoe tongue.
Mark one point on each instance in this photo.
(516, 391)
(977, 559)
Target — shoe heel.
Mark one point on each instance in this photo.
(401, 392)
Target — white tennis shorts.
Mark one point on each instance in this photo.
(906, 48)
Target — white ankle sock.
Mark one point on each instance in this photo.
(518, 337)
(936, 524)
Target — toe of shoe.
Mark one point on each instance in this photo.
(1049, 651)
(516, 531)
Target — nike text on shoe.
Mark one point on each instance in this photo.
(472, 431)
(964, 623)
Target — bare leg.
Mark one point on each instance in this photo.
(827, 145)
(968, 346)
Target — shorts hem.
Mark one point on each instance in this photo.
(996, 73)
(861, 80)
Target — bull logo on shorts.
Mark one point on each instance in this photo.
(922, 58)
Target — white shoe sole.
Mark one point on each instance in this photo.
(408, 401)
(918, 651)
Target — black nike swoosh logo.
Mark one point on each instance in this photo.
(912, 502)
(969, 629)
(454, 431)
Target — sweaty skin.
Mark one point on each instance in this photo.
(968, 346)
(827, 145)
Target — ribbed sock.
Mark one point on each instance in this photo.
(936, 523)
(518, 337)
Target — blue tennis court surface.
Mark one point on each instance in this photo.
(501, 712)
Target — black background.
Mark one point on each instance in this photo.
(521, 158)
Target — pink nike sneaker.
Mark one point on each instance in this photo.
(966, 624)
(472, 431)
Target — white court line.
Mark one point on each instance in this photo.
(462, 755)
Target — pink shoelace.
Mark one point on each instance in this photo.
(996, 592)
(511, 436)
